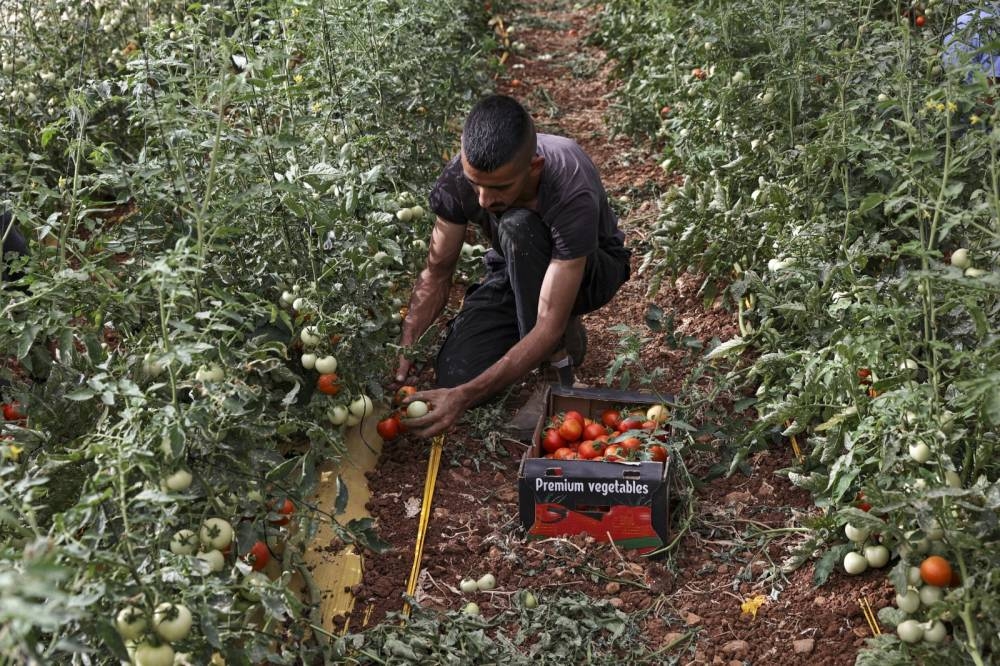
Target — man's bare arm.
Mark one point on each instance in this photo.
(559, 290)
(430, 291)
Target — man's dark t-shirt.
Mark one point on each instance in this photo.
(13, 243)
(571, 201)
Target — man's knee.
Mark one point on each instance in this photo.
(520, 227)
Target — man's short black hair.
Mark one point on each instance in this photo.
(497, 131)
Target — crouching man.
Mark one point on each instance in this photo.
(556, 253)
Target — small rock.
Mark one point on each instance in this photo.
(441, 513)
(735, 662)
(820, 601)
(718, 660)
(612, 587)
(757, 567)
(738, 497)
(692, 620)
(616, 602)
(499, 479)
(765, 490)
(804, 645)
(736, 647)
(723, 569)
(672, 637)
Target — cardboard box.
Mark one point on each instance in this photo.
(624, 502)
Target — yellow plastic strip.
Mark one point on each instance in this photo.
(795, 444)
(433, 463)
(866, 608)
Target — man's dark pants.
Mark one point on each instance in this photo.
(500, 310)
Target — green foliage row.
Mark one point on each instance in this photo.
(179, 167)
(833, 162)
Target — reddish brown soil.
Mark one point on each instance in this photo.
(692, 598)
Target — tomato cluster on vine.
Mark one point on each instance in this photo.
(616, 435)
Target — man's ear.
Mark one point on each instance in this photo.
(537, 162)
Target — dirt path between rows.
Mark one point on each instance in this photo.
(742, 527)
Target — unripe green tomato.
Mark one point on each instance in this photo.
(529, 600)
(130, 623)
(471, 608)
(184, 542)
(416, 409)
(935, 631)
(309, 361)
(310, 336)
(172, 622)
(468, 586)
(856, 534)
(855, 563)
(216, 533)
(326, 365)
(910, 631)
(960, 258)
(930, 595)
(486, 582)
(909, 602)
(214, 558)
(154, 655)
(337, 414)
(877, 556)
(920, 452)
(178, 482)
(362, 406)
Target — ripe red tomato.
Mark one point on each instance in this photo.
(631, 423)
(611, 418)
(574, 415)
(388, 428)
(571, 429)
(861, 503)
(935, 570)
(630, 444)
(593, 431)
(12, 411)
(259, 556)
(590, 449)
(562, 453)
(286, 509)
(551, 441)
(327, 384)
(613, 453)
(658, 453)
(920, 20)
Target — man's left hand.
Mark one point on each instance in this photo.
(445, 405)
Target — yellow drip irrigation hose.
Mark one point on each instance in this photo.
(425, 515)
